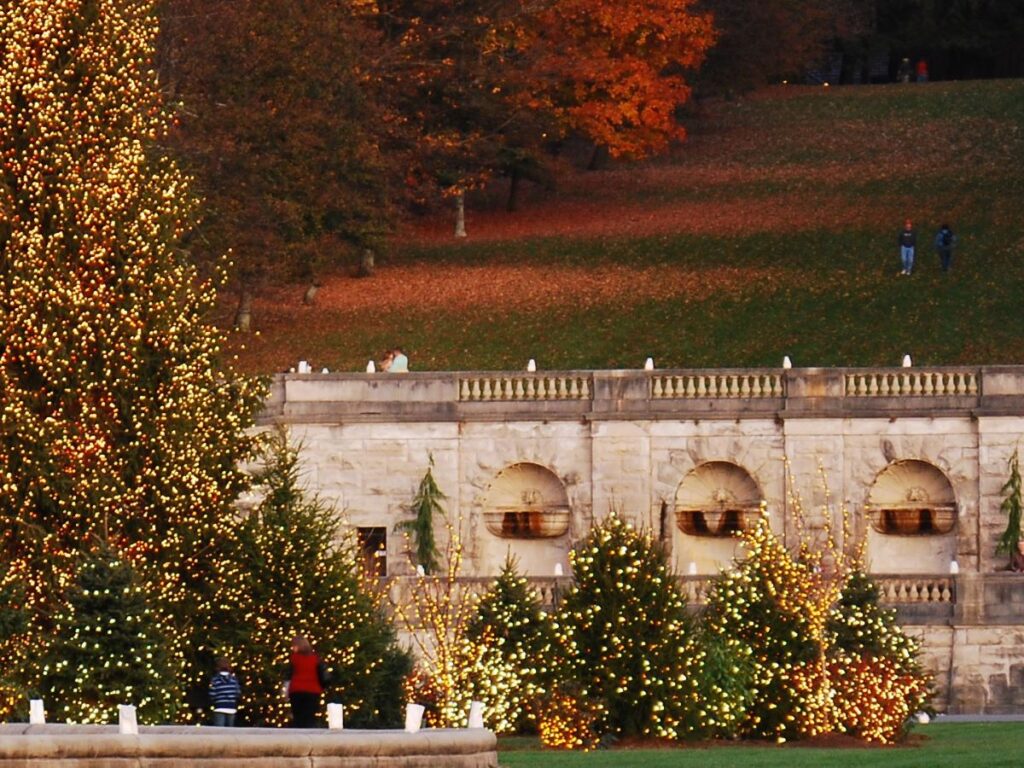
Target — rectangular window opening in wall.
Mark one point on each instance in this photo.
(373, 546)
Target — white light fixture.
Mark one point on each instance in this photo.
(954, 567)
(325, 371)
(127, 722)
(476, 714)
(371, 367)
(907, 362)
(531, 365)
(303, 366)
(558, 570)
(413, 717)
(786, 362)
(335, 717)
(36, 712)
(420, 570)
(649, 364)
(692, 568)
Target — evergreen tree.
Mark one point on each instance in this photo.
(776, 606)
(13, 635)
(625, 637)
(817, 653)
(509, 617)
(293, 577)
(877, 679)
(425, 505)
(1013, 506)
(109, 648)
(114, 405)
(859, 625)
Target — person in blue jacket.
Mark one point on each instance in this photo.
(225, 692)
(945, 242)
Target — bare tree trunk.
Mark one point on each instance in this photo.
(460, 214)
(243, 315)
(366, 263)
(513, 191)
(310, 295)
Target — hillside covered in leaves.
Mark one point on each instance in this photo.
(771, 231)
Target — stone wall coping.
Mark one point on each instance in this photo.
(20, 741)
(712, 393)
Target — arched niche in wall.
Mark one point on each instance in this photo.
(911, 513)
(715, 501)
(526, 514)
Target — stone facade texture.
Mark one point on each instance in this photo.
(816, 444)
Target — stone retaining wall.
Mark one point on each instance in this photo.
(73, 746)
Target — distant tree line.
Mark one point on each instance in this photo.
(860, 40)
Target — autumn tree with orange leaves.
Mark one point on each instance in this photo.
(615, 71)
(490, 86)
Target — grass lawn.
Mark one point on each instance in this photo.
(942, 745)
(771, 231)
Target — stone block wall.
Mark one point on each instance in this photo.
(814, 440)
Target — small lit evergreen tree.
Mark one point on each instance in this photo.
(295, 575)
(821, 655)
(777, 607)
(877, 679)
(509, 617)
(109, 648)
(625, 637)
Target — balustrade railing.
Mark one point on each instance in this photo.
(732, 385)
(524, 387)
(894, 590)
(911, 383)
(903, 590)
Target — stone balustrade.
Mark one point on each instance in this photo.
(596, 395)
(897, 591)
(80, 746)
(730, 385)
(912, 383)
(517, 386)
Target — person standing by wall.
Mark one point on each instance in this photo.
(945, 242)
(224, 693)
(908, 242)
(305, 678)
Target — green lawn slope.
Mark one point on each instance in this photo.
(771, 231)
(946, 745)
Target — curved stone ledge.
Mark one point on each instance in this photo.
(96, 746)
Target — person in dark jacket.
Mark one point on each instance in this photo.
(224, 694)
(305, 678)
(908, 241)
(945, 242)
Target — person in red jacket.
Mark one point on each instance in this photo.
(305, 678)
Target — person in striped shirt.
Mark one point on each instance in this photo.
(224, 693)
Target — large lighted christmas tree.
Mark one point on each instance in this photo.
(115, 410)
